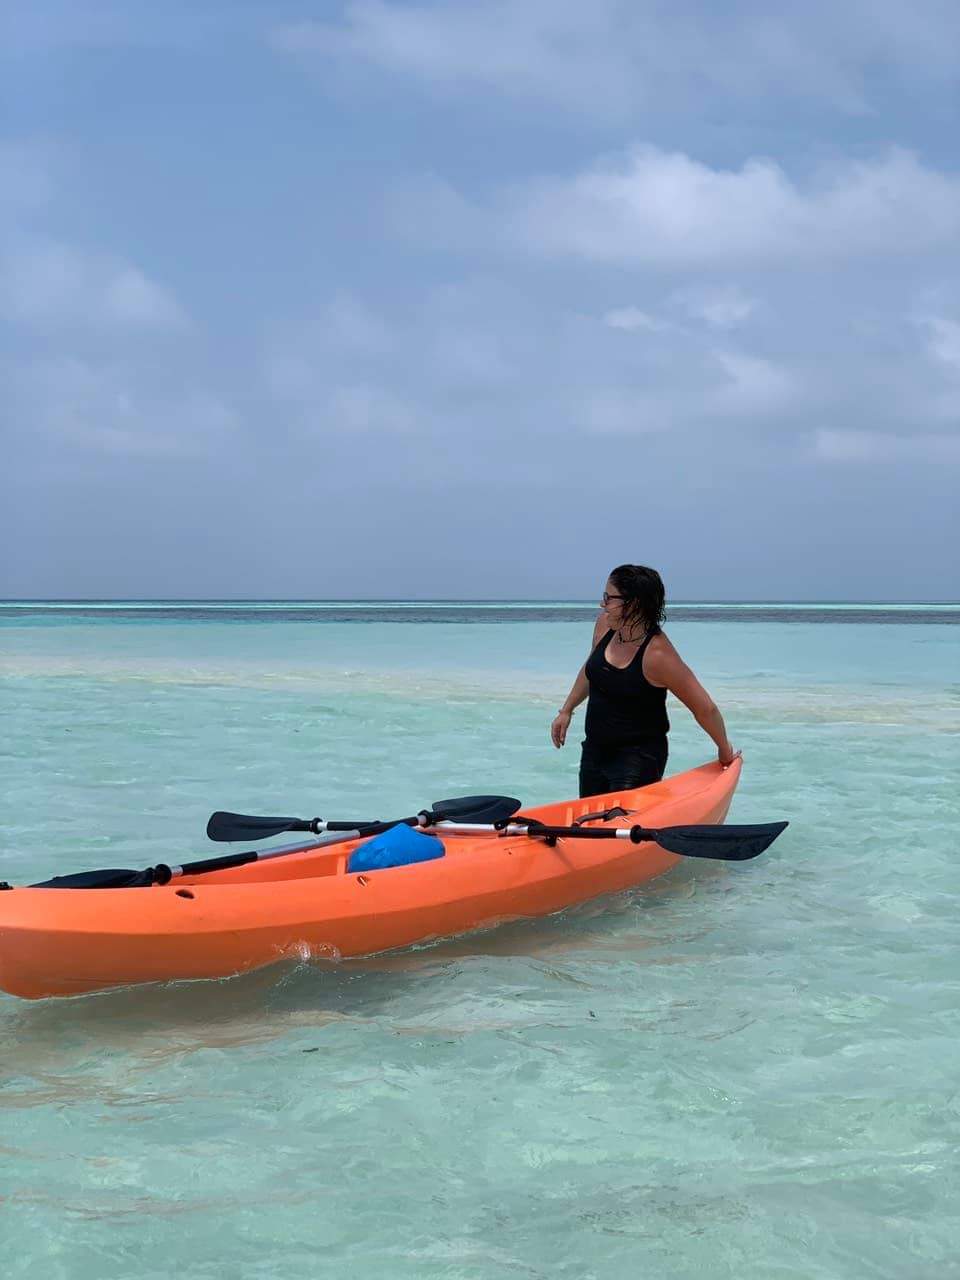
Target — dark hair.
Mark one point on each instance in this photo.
(644, 598)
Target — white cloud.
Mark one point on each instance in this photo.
(117, 409)
(55, 286)
(422, 363)
(361, 408)
(331, 377)
(539, 48)
(354, 327)
(718, 308)
(944, 341)
(753, 385)
(880, 447)
(665, 209)
(129, 297)
(631, 319)
(71, 312)
(721, 309)
(476, 359)
(623, 411)
(670, 212)
(689, 395)
(615, 57)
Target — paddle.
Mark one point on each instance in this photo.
(241, 826)
(485, 809)
(724, 843)
(479, 814)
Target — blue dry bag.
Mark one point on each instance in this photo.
(397, 847)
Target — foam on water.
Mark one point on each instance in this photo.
(737, 1071)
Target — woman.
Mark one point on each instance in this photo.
(625, 680)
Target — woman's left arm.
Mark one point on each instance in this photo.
(663, 666)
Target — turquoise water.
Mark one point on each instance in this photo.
(743, 1071)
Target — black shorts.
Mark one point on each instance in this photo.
(604, 769)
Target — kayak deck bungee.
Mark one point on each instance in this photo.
(60, 942)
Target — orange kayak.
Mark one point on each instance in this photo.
(62, 942)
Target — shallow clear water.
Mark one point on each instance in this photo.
(743, 1071)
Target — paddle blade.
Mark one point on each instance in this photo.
(242, 826)
(112, 878)
(728, 843)
(481, 809)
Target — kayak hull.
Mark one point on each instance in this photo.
(60, 942)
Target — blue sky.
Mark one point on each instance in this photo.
(480, 299)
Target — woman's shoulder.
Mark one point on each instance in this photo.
(660, 648)
(659, 660)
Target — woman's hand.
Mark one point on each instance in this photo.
(558, 730)
(726, 755)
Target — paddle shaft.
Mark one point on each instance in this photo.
(165, 873)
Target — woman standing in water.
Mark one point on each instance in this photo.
(625, 680)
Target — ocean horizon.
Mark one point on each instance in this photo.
(466, 600)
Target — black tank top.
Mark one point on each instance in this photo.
(624, 709)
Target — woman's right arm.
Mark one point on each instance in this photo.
(579, 692)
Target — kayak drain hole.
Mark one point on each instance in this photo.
(184, 893)
(362, 880)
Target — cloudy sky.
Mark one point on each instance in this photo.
(480, 297)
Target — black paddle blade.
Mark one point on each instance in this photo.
(485, 809)
(728, 843)
(113, 878)
(241, 826)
